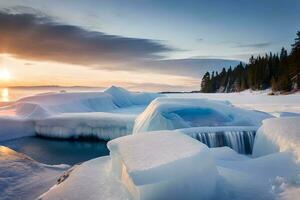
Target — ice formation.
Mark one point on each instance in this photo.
(214, 123)
(163, 165)
(104, 115)
(174, 113)
(99, 125)
(278, 135)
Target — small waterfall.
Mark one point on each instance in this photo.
(240, 141)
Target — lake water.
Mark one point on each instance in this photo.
(52, 152)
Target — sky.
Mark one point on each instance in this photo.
(148, 45)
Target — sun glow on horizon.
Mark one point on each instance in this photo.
(5, 75)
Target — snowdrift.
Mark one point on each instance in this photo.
(278, 135)
(175, 113)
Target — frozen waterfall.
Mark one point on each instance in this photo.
(241, 139)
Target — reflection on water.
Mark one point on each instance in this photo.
(4, 95)
(54, 152)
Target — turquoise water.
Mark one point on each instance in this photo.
(54, 152)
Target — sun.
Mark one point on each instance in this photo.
(5, 75)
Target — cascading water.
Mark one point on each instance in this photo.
(238, 138)
(240, 141)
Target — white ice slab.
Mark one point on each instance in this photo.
(163, 165)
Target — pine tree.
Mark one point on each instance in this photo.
(205, 83)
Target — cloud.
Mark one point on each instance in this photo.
(254, 45)
(37, 37)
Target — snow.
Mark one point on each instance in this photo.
(163, 165)
(278, 135)
(168, 113)
(24, 178)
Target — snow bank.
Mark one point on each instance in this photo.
(24, 178)
(278, 135)
(174, 113)
(124, 98)
(163, 165)
(99, 125)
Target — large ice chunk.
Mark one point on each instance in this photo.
(174, 113)
(124, 98)
(278, 135)
(164, 165)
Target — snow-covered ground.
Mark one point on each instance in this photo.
(272, 172)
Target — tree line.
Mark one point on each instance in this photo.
(281, 72)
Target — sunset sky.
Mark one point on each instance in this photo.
(149, 45)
